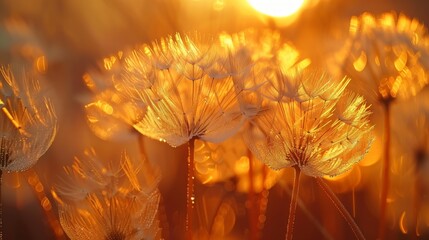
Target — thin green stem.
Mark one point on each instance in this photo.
(385, 172)
(340, 207)
(190, 197)
(293, 203)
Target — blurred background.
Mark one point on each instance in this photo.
(68, 38)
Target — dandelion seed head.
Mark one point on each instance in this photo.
(119, 202)
(386, 55)
(27, 120)
(200, 87)
(321, 128)
(281, 80)
(410, 149)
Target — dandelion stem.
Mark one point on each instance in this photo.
(293, 203)
(190, 189)
(354, 202)
(311, 217)
(252, 207)
(385, 171)
(340, 207)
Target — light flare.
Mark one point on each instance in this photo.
(277, 8)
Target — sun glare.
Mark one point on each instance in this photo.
(277, 8)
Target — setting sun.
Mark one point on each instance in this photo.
(277, 8)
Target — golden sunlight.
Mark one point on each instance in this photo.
(277, 8)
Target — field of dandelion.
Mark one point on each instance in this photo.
(214, 119)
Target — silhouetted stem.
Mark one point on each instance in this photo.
(190, 198)
(293, 202)
(354, 202)
(251, 198)
(343, 211)
(385, 173)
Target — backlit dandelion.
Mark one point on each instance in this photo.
(219, 161)
(313, 125)
(387, 57)
(389, 54)
(27, 121)
(107, 200)
(408, 208)
(194, 88)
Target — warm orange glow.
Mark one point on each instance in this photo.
(360, 63)
(346, 181)
(401, 61)
(354, 25)
(226, 41)
(277, 8)
(46, 204)
(102, 105)
(41, 64)
(374, 154)
(39, 187)
(402, 223)
(108, 62)
(55, 196)
(89, 81)
(218, 5)
(242, 165)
